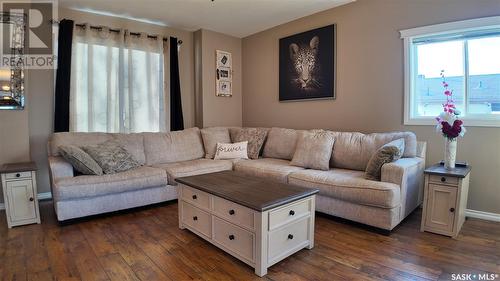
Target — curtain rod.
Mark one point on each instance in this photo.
(97, 27)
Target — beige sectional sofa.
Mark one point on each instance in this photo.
(165, 156)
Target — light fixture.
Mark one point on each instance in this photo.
(6, 88)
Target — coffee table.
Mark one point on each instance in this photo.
(258, 221)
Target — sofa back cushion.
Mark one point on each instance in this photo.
(353, 150)
(281, 143)
(173, 146)
(76, 139)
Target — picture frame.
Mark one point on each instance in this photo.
(223, 74)
(307, 68)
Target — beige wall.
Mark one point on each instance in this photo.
(213, 110)
(370, 81)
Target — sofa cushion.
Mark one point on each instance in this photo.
(173, 146)
(112, 157)
(193, 168)
(314, 150)
(280, 143)
(76, 139)
(89, 186)
(80, 160)
(353, 150)
(133, 143)
(349, 185)
(269, 168)
(211, 137)
(255, 138)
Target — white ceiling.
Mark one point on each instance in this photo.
(239, 18)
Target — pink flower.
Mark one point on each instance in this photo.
(447, 92)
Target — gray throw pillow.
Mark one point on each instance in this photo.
(314, 150)
(212, 136)
(385, 154)
(255, 138)
(112, 157)
(400, 144)
(80, 160)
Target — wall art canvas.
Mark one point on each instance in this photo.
(307, 65)
(224, 74)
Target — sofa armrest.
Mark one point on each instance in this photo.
(59, 168)
(421, 149)
(408, 173)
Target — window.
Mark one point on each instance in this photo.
(117, 83)
(468, 52)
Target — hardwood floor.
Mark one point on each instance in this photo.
(148, 245)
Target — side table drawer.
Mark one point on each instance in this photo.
(234, 238)
(197, 219)
(20, 175)
(288, 214)
(443, 179)
(196, 197)
(234, 213)
(287, 240)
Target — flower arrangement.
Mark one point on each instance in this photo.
(448, 123)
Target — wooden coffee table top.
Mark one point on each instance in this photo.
(254, 193)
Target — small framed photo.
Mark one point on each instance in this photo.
(224, 59)
(224, 88)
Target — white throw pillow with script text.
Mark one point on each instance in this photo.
(231, 150)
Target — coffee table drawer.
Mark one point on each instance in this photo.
(288, 214)
(284, 241)
(234, 238)
(196, 197)
(197, 219)
(233, 212)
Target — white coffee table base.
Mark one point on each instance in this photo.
(260, 239)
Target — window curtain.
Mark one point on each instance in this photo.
(117, 82)
(63, 76)
(176, 118)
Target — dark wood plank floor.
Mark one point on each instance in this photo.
(147, 245)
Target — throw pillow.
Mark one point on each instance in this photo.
(231, 150)
(213, 136)
(400, 144)
(314, 150)
(112, 157)
(255, 138)
(385, 154)
(80, 160)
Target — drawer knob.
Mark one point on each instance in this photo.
(231, 212)
(292, 213)
(443, 179)
(194, 197)
(31, 199)
(290, 236)
(195, 218)
(231, 237)
(452, 210)
(18, 175)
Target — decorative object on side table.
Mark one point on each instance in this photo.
(307, 65)
(20, 193)
(450, 126)
(445, 199)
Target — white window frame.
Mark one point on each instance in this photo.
(408, 35)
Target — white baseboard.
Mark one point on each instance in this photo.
(41, 196)
(482, 215)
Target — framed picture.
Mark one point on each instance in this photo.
(224, 74)
(224, 88)
(307, 65)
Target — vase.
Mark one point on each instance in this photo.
(450, 153)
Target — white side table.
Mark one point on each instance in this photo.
(20, 193)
